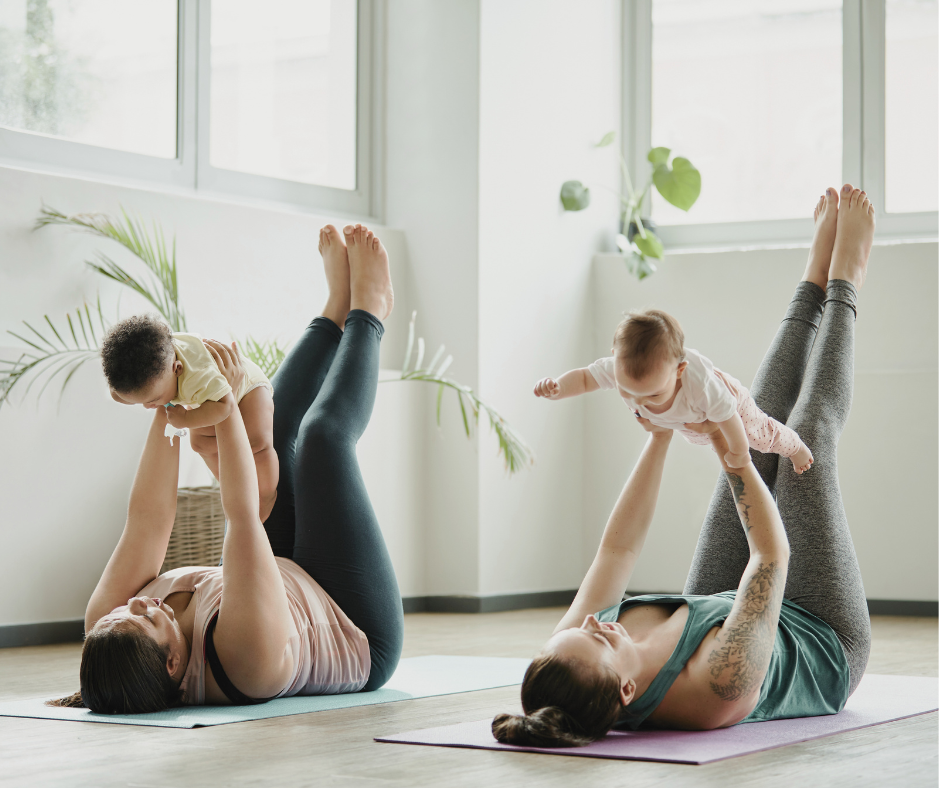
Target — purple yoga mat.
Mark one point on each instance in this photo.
(878, 699)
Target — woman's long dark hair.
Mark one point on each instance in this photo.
(566, 704)
(123, 672)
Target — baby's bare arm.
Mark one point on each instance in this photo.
(572, 384)
(206, 415)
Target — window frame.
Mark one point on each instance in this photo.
(863, 137)
(190, 172)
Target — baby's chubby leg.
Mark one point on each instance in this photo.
(767, 435)
(257, 409)
(204, 443)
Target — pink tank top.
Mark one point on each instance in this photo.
(331, 654)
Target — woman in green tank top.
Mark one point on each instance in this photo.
(773, 622)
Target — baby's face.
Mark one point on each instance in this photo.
(160, 390)
(657, 388)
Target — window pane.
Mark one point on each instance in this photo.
(283, 91)
(102, 72)
(911, 105)
(751, 92)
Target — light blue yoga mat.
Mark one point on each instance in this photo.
(417, 677)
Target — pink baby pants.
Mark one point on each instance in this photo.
(765, 434)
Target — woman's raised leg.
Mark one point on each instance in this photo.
(824, 576)
(298, 381)
(338, 540)
(722, 552)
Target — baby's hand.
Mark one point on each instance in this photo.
(737, 460)
(176, 416)
(548, 388)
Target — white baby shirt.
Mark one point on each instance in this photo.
(703, 396)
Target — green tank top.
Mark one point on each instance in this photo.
(808, 674)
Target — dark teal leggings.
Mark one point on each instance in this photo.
(324, 393)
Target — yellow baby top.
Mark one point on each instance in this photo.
(201, 380)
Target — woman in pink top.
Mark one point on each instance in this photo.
(308, 602)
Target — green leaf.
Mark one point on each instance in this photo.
(658, 156)
(644, 268)
(575, 196)
(650, 246)
(606, 139)
(680, 185)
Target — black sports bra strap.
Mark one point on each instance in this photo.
(230, 690)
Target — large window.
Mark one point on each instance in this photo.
(773, 100)
(269, 100)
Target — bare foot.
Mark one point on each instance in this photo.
(803, 458)
(370, 278)
(820, 252)
(336, 264)
(854, 235)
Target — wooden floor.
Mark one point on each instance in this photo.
(335, 748)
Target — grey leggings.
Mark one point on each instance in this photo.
(804, 381)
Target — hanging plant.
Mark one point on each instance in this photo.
(677, 181)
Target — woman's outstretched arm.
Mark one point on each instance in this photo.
(150, 514)
(255, 625)
(734, 662)
(624, 534)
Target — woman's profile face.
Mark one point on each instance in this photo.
(155, 619)
(597, 643)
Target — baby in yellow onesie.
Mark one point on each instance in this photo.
(145, 364)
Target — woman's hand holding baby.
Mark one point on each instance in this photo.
(548, 388)
(647, 425)
(229, 361)
(729, 460)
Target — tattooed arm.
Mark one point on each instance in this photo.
(733, 662)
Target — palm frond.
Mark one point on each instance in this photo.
(267, 354)
(516, 453)
(162, 289)
(55, 356)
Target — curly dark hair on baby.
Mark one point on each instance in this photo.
(135, 351)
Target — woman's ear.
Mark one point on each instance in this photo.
(681, 369)
(172, 663)
(627, 692)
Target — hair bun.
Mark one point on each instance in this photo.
(548, 726)
(509, 728)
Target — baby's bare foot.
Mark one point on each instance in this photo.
(854, 235)
(371, 282)
(824, 237)
(336, 264)
(803, 458)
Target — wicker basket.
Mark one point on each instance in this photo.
(197, 533)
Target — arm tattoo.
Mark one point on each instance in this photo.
(739, 666)
(737, 490)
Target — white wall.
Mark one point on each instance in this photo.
(65, 472)
(546, 95)
(729, 305)
(432, 173)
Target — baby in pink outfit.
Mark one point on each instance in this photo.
(663, 381)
